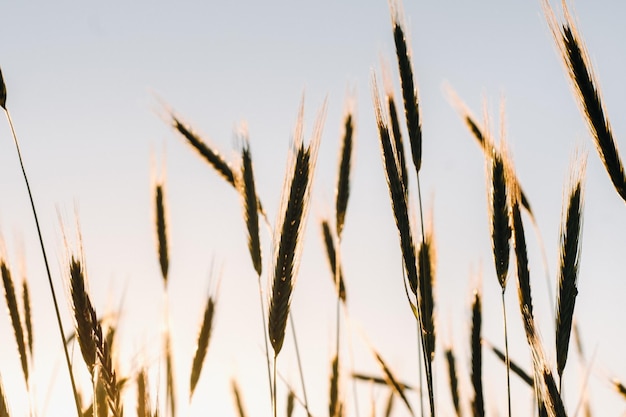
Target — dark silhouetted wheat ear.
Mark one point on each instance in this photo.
(426, 301)
(409, 91)
(619, 387)
(84, 314)
(14, 313)
(333, 398)
(478, 407)
(482, 137)
(161, 229)
(397, 139)
(343, 180)
(397, 193)
(454, 380)
(28, 321)
(251, 208)
(3, 92)
(570, 245)
(288, 237)
(587, 93)
(202, 345)
(241, 412)
(291, 402)
(521, 256)
(4, 407)
(211, 156)
(336, 270)
(143, 395)
(499, 216)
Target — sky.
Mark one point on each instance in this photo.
(89, 87)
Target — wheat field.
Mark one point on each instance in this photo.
(148, 234)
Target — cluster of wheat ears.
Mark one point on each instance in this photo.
(507, 205)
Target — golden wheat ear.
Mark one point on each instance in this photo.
(202, 345)
(587, 93)
(453, 379)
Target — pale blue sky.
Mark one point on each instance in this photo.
(84, 83)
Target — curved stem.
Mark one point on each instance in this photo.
(45, 259)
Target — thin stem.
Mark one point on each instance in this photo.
(506, 353)
(45, 259)
(427, 363)
(267, 355)
(274, 389)
(295, 343)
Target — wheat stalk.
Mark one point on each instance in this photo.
(587, 93)
(571, 233)
(3, 97)
(202, 345)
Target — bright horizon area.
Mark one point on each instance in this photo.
(89, 87)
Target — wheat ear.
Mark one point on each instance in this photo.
(143, 395)
(250, 201)
(343, 180)
(391, 380)
(161, 229)
(241, 412)
(28, 321)
(571, 233)
(288, 239)
(478, 408)
(16, 320)
(202, 345)
(336, 270)
(454, 380)
(409, 91)
(333, 398)
(587, 93)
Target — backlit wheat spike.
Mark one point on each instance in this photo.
(14, 313)
(213, 157)
(28, 322)
(397, 193)
(587, 93)
(329, 243)
(454, 380)
(202, 345)
(570, 245)
(478, 408)
(391, 380)
(251, 207)
(143, 395)
(500, 216)
(343, 181)
(409, 91)
(333, 401)
(426, 300)
(241, 412)
(161, 229)
(288, 240)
